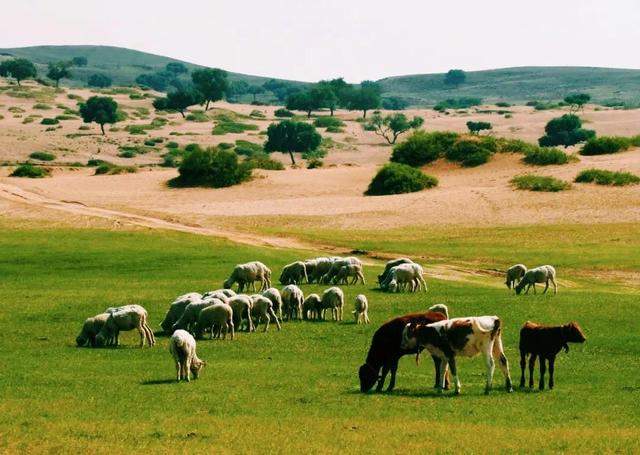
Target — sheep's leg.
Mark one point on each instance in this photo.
(543, 368)
(366, 317)
(233, 330)
(178, 371)
(552, 361)
(383, 377)
(142, 335)
(523, 366)
(532, 365)
(490, 364)
(275, 317)
(555, 285)
(392, 381)
(188, 369)
(268, 319)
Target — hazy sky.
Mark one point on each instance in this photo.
(357, 39)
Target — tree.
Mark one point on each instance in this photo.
(394, 103)
(99, 80)
(99, 109)
(255, 90)
(392, 126)
(212, 167)
(566, 130)
(455, 78)
(476, 127)
(211, 83)
(307, 101)
(326, 95)
(178, 100)
(577, 101)
(156, 81)
(18, 68)
(289, 137)
(237, 88)
(176, 68)
(79, 61)
(59, 70)
(365, 98)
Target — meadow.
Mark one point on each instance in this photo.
(297, 389)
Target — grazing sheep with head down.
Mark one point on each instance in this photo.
(247, 274)
(294, 273)
(310, 265)
(219, 318)
(262, 310)
(321, 267)
(190, 314)
(182, 347)
(90, 330)
(310, 307)
(176, 309)
(276, 299)
(349, 271)
(440, 308)
(404, 275)
(126, 318)
(389, 265)
(332, 298)
(218, 294)
(337, 265)
(542, 274)
(515, 274)
(241, 305)
(292, 299)
(361, 310)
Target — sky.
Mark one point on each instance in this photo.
(357, 39)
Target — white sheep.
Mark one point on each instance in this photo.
(182, 347)
(190, 314)
(332, 298)
(515, 274)
(247, 274)
(361, 309)
(294, 273)
(389, 265)
(127, 318)
(336, 265)
(292, 299)
(311, 266)
(440, 308)
(176, 309)
(216, 295)
(262, 310)
(310, 307)
(404, 275)
(321, 266)
(542, 274)
(90, 330)
(276, 299)
(219, 318)
(241, 305)
(349, 271)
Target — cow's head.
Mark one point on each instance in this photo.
(368, 377)
(572, 333)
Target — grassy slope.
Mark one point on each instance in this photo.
(295, 389)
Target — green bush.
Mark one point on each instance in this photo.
(95, 162)
(232, 127)
(172, 145)
(421, 147)
(326, 122)
(334, 129)
(127, 154)
(604, 177)
(257, 114)
(42, 106)
(113, 169)
(264, 161)
(211, 167)
(225, 145)
(30, 171)
(503, 104)
(314, 163)
(459, 103)
(469, 153)
(605, 145)
(247, 148)
(198, 116)
(66, 117)
(283, 113)
(395, 178)
(543, 156)
(49, 121)
(539, 183)
(43, 156)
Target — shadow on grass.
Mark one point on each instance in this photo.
(159, 381)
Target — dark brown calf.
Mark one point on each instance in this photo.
(545, 342)
(385, 351)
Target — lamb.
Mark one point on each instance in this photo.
(219, 318)
(190, 314)
(545, 342)
(360, 313)
(349, 271)
(310, 307)
(515, 274)
(332, 298)
(91, 328)
(292, 299)
(405, 275)
(542, 274)
(247, 274)
(276, 299)
(389, 265)
(241, 305)
(176, 309)
(440, 308)
(337, 265)
(294, 273)
(262, 310)
(182, 347)
(127, 318)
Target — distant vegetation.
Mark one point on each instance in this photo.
(212, 167)
(476, 127)
(543, 156)
(289, 137)
(609, 144)
(533, 182)
(390, 127)
(42, 156)
(30, 171)
(99, 109)
(457, 103)
(604, 177)
(394, 178)
(421, 148)
(455, 78)
(99, 81)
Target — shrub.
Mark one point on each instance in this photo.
(28, 120)
(136, 129)
(96, 162)
(502, 104)
(84, 127)
(49, 121)
(230, 126)
(566, 130)
(459, 103)
(247, 148)
(172, 145)
(476, 127)
(225, 145)
(211, 167)
(605, 145)
(469, 153)
(334, 129)
(395, 178)
(30, 171)
(283, 113)
(421, 147)
(539, 183)
(113, 169)
(257, 114)
(41, 106)
(543, 156)
(264, 161)
(127, 154)
(199, 117)
(314, 163)
(43, 156)
(604, 177)
(326, 122)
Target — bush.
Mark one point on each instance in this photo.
(225, 145)
(30, 171)
(230, 126)
(476, 127)
(543, 156)
(421, 147)
(113, 169)
(257, 114)
(264, 161)
(283, 113)
(539, 183)
(469, 153)
(127, 154)
(172, 145)
(199, 117)
(503, 104)
(604, 177)
(247, 148)
(605, 145)
(314, 163)
(41, 106)
(49, 121)
(43, 156)
(211, 167)
(326, 122)
(66, 117)
(395, 178)
(566, 130)
(459, 103)
(334, 129)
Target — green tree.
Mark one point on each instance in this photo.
(59, 70)
(329, 93)
(79, 61)
(365, 98)
(455, 78)
(289, 137)
(255, 90)
(566, 130)
(307, 101)
(577, 101)
(18, 68)
(211, 83)
(156, 81)
(212, 167)
(238, 88)
(99, 109)
(392, 126)
(476, 127)
(99, 80)
(178, 100)
(176, 68)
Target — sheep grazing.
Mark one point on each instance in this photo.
(189, 317)
(545, 342)
(310, 266)
(321, 266)
(126, 318)
(310, 307)
(361, 309)
(182, 347)
(336, 265)
(219, 294)
(440, 308)
(542, 274)
(515, 274)
(332, 298)
(176, 309)
(389, 265)
(219, 318)
(90, 330)
(292, 299)
(349, 271)
(262, 310)
(276, 299)
(405, 275)
(241, 305)
(294, 273)
(247, 274)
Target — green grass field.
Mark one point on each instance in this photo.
(294, 390)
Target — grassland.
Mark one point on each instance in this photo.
(295, 390)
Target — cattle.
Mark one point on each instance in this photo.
(386, 351)
(460, 337)
(545, 342)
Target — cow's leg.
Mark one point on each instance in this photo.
(440, 367)
(454, 373)
(383, 376)
(441, 375)
(394, 370)
(532, 365)
(543, 368)
(552, 361)
(498, 352)
(534, 289)
(523, 365)
(491, 366)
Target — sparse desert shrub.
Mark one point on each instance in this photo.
(314, 163)
(326, 122)
(84, 127)
(605, 145)
(150, 143)
(113, 169)
(457, 103)
(136, 96)
(96, 162)
(30, 171)
(229, 126)
(27, 120)
(539, 183)
(469, 153)
(395, 178)
(257, 114)
(225, 145)
(41, 106)
(49, 121)
(42, 156)
(283, 113)
(334, 129)
(502, 104)
(247, 148)
(604, 177)
(264, 161)
(16, 110)
(197, 116)
(136, 129)
(66, 117)
(543, 156)
(476, 127)
(421, 147)
(73, 96)
(172, 145)
(211, 167)
(127, 154)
